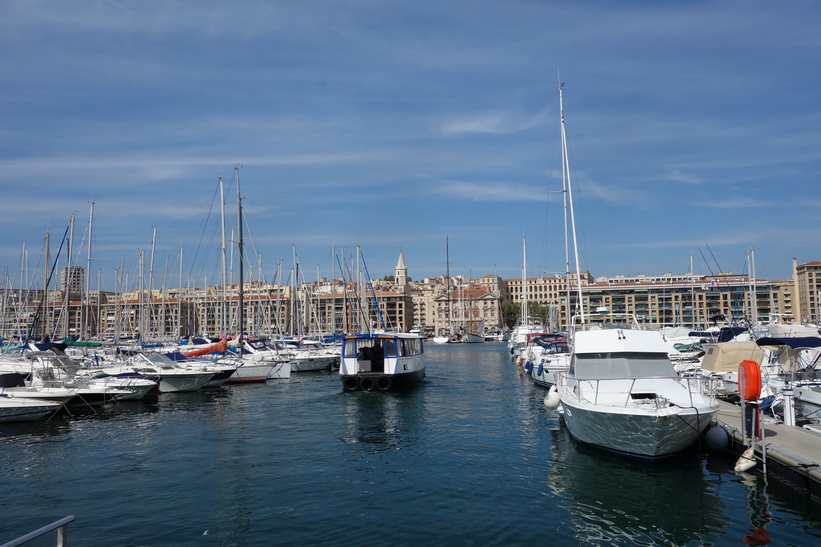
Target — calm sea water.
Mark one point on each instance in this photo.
(471, 457)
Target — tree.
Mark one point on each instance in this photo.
(534, 309)
(510, 313)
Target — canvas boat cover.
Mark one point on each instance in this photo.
(726, 356)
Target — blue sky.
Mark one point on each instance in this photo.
(694, 129)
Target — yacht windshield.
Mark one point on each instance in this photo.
(589, 366)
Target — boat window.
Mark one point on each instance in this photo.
(589, 366)
(411, 346)
(390, 348)
(349, 348)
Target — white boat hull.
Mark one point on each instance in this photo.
(608, 417)
(21, 409)
(546, 373)
(173, 383)
(304, 364)
(281, 371)
(252, 372)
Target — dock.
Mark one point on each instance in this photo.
(791, 453)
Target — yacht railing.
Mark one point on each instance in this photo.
(603, 318)
(694, 385)
(62, 533)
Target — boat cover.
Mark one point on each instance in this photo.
(726, 356)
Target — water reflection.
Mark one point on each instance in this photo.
(614, 499)
(758, 505)
(383, 421)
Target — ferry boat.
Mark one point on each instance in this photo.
(382, 361)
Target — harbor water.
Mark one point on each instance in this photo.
(471, 457)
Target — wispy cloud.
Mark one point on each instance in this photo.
(493, 123)
(488, 191)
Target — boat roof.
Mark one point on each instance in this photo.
(619, 341)
(795, 342)
(382, 336)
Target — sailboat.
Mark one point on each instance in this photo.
(621, 392)
(253, 366)
(445, 337)
(528, 326)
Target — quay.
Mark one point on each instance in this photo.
(791, 453)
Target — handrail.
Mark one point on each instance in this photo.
(59, 525)
(686, 382)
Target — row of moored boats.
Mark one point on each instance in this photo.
(651, 393)
(39, 379)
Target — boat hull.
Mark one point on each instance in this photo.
(650, 433)
(281, 371)
(247, 373)
(369, 381)
(307, 364)
(17, 409)
(183, 382)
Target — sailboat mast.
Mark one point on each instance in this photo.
(88, 275)
(223, 307)
(179, 301)
(46, 319)
(524, 282)
(447, 270)
(240, 314)
(569, 190)
(68, 283)
(151, 317)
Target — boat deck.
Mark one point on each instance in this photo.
(793, 453)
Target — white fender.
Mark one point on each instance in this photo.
(552, 399)
(746, 461)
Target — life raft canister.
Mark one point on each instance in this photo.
(751, 383)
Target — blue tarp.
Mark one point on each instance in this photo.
(794, 342)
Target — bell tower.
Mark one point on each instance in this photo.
(402, 273)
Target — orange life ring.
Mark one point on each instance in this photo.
(752, 380)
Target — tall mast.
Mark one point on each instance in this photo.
(88, 274)
(240, 303)
(223, 308)
(151, 280)
(141, 311)
(69, 276)
(46, 318)
(569, 189)
(753, 295)
(179, 301)
(447, 270)
(523, 311)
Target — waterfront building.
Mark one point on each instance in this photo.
(807, 286)
(72, 281)
(436, 303)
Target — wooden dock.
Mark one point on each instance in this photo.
(793, 453)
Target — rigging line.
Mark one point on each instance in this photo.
(205, 224)
(45, 289)
(714, 258)
(548, 242)
(709, 269)
(373, 293)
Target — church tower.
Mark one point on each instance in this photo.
(402, 274)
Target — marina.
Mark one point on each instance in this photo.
(470, 456)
